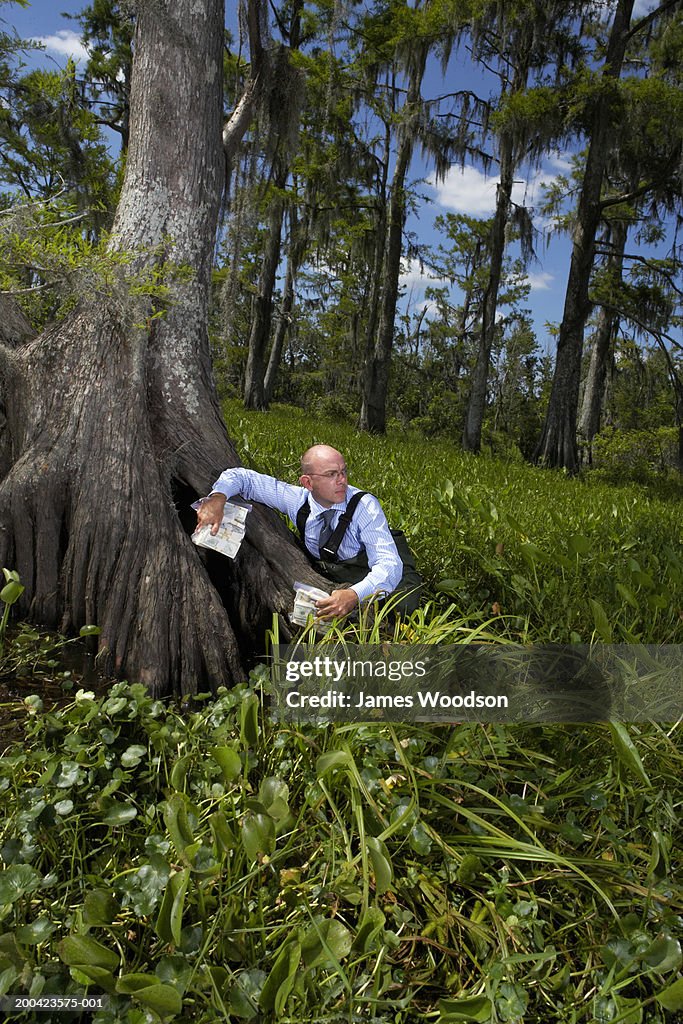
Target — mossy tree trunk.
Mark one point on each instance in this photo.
(114, 416)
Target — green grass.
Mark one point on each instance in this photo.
(552, 558)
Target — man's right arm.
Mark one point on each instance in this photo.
(252, 486)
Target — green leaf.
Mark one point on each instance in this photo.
(671, 998)
(229, 762)
(381, 864)
(369, 927)
(133, 755)
(474, 1008)
(258, 834)
(326, 941)
(177, 822)
(170, 920)
(99, 907)
(333, 759)
(179, 771)
(82, 951)
(249, 721)
(119, 814)
(7, 979)
(664, 954)
(602, 626)
(627, 752)
(579, 545)
(129, 983)
(16, 881)
(246, 992)
(89, 631)
(164, 1000)
(280, 981)
(11, 592)
(35, 932)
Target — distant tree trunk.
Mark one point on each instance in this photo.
(557, 446)
(471, 438)
(262, 307)
(285, 314)
(114, 414)
(594, 388)
(376, 380)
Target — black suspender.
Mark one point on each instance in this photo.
(332, 546)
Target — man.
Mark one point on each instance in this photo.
(367, 556)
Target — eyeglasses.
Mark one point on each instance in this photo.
(332, 474)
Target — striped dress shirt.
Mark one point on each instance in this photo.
(368, 528)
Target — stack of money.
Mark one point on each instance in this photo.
(230, 532)
(304, 604)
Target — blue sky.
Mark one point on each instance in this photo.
(464, 190)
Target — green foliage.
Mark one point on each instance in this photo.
(546, 557)
(204, 863)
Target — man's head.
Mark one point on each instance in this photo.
(323, 473)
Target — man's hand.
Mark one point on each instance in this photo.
(210, 512)
(339, 603)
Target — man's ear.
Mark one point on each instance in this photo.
(305, 481)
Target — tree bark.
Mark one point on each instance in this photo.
(262, 307)
(285, 313)
(557, 446)
(115, 415)
(471, 438)
(376, 381)
(594, 388)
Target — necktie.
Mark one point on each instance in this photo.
(326, 529)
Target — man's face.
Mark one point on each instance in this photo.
(327, 479)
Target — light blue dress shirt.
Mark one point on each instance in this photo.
(368, 528)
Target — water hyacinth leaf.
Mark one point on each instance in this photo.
(511, 1001)
(474, 1008)
(229, 762)
(177, 822)
(627, 752)
(419, 840)
(35, 932)
(381, 864)
(11, 592)
(133, 755)
(222, 833)
(671, 998)
(179, 771)
(89, 631)
(82, 951)
(280, 981)
(246, 992)
(175, 971)
(170, 920)
(258, 834)
(664, 954)
(326, 941)
(119, 814)
(129, 983)
(164, 1000)
(370, 926)
(99, 907)
(7, 978)
(86, 975)
(249, 721)
(273, 794)
(16, 881)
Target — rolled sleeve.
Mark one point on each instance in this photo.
(386, 567)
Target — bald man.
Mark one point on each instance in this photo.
(366, 562)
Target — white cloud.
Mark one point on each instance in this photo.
(66, 43)
(642, 7)
(469, 190)
(541, 281)
(413, 277)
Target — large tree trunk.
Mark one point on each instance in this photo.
(594, 388)
(557, 446)
(376, 382)
(115, 415)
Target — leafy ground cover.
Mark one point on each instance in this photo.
(203, 862)
(207, 864)
(551, 558)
